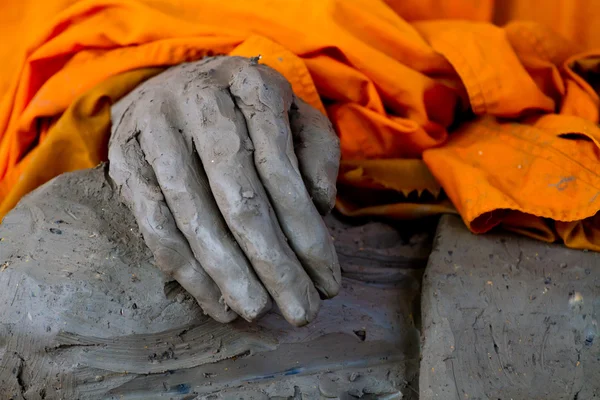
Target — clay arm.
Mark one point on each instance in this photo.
(225, 171)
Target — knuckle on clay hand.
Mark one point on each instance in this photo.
(263, 87)
(218, 115)
(216, 108)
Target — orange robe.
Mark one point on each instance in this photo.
(438, 109)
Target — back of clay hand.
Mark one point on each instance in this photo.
(227, 172)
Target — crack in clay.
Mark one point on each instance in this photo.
(385, 261)
(477, 317)
(497, 350)
(454, 378)
(19, 374)
(543, 348)
(69, 346)
(170, 355)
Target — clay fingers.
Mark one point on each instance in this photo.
(264, 97)
(140, 190)
(169, 149)
(226, 152)
(318, 151)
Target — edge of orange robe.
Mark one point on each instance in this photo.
(492, 168)
(78, 140)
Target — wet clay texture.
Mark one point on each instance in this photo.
(225, 171)
(506, 317)
(87, 315)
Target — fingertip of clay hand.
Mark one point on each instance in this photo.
(220, 312)
(256, 313)
(330, 290)
(303, 314)
(223, 315)
(325, 271)
(324, 198)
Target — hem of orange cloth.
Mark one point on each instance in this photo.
(397, 211)
(506, 203)
(469, 220)
(562, 216)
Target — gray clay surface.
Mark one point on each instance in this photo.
(506, 317)
(87, 315)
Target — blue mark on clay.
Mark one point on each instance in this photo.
(292, 371)
(287, 372)
(590, 335)
(182, 388)
(260, 378)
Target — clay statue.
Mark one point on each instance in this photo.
(225, 171)
(217, 175)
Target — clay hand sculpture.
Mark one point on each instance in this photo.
(227, 173)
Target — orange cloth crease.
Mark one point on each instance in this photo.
(397, 79)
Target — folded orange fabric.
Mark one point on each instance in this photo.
(398, 93)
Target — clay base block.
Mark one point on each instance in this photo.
(506, 317)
